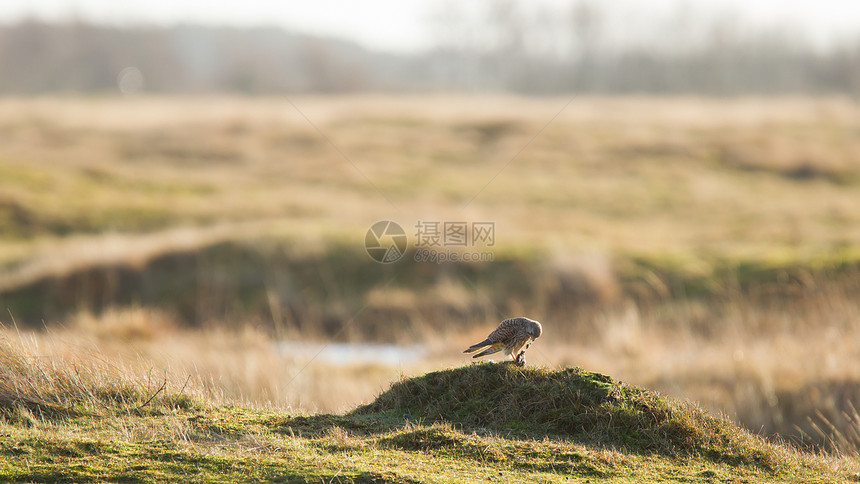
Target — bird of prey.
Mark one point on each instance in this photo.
(512, 336)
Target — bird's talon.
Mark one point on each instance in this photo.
(520, 359)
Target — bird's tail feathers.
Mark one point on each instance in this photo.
(477, 346)
(489, 351)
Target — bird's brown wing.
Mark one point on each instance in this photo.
(477, 346)
(495, 348)
(507, 330)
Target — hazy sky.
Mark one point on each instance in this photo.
(402, 25)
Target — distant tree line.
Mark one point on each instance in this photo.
(509, 52)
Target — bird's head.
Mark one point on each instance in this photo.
(534, 329)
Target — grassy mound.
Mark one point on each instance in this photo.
(570, 404)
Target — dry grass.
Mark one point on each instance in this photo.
(240, 365)
(37, 389)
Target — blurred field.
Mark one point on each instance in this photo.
(706, 248)
(723, 178)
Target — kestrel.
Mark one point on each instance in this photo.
(512, 336)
